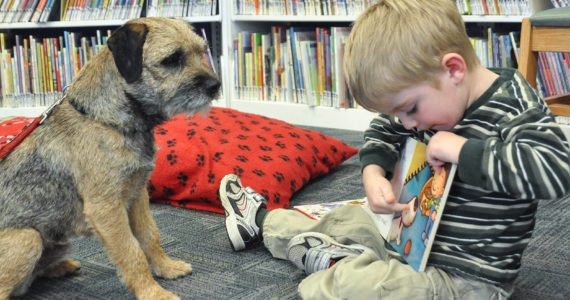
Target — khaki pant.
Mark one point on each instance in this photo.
(374, 274)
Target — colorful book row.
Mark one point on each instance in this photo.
(495, 7)
(182, 8)
(293, 65)
(302, 7)
(497, 50)
(553, 76)
(81, 10)
(12, 11)
(34, 71)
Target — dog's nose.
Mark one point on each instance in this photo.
(213, 85)
(210, 84)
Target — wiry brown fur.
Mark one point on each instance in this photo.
(85, 169)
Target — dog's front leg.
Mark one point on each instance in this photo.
(110, 221)
(147, 233)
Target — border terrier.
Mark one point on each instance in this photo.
(85, 168)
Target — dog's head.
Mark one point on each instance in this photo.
(162, 63)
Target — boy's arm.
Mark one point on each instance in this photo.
(529, 159)
(383, 141)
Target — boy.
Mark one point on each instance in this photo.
(412, 62)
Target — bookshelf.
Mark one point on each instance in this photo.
(343, 118)
(224, 28)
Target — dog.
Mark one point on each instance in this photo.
(85, 168)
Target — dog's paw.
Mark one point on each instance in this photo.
(171, 269)
(157, 293)
(63, 268)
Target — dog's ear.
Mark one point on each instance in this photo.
(126, 44)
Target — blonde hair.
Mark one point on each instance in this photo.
(396, 44)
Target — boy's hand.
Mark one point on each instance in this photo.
(381, 199)
(444, 147)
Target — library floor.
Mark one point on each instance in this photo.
(220, 273)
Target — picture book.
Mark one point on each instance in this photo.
(411, 232)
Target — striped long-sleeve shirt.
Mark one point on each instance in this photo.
(515, 155)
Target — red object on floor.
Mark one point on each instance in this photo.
(273, 157)
(14, 131)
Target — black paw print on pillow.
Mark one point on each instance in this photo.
(200, 160)
(238, 170)
(161, 131)
(276, 198)
(190, 133)
(279, 176)
(172, 158)
(242, 158)
(182, 179)
(258, 172)
(264, 193)
(217, 156)
(293, 186)
(167, 191)
(193, 188)
(171, 143)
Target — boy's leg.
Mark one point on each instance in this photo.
(347, 225)
(247, 221)
(366, 276)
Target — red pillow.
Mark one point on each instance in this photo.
(273, 157)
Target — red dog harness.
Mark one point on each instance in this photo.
(13, 131)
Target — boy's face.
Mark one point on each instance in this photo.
(426, 107)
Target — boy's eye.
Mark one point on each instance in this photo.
(412, 110)
(174, 60)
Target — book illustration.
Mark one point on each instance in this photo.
(411, 232)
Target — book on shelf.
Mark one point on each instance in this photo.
(301, 8)
(34, 71)
(500, 7)
(411, 232)
(292, 65)
(553, 73)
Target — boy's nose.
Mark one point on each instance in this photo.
(409, 123)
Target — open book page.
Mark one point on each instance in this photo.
(319, 210)
(410, 233)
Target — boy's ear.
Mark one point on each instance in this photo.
(455, 66)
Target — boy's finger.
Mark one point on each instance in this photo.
(388, 195)
(400, 207)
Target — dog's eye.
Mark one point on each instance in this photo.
(174, 60)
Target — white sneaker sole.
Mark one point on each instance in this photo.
(231, 224)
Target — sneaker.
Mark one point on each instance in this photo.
(241, 205)
(313, 251)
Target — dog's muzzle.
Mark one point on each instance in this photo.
(210, 84)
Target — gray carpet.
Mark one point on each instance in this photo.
(220, 273)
